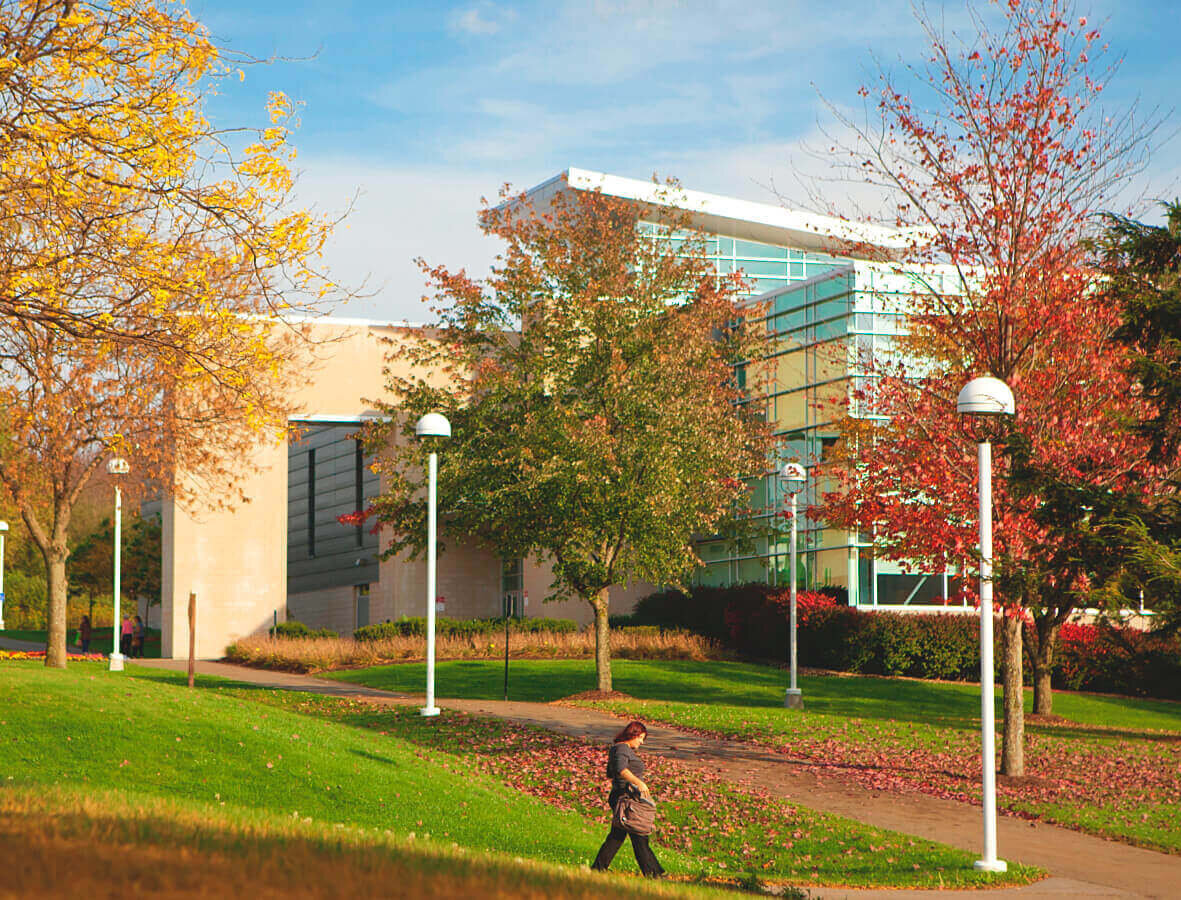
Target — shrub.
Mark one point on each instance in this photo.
(753, 621)
(703, 611)
(321, 654)
(408, 626)
(1117, 660)
(294, 629)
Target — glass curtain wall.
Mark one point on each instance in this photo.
(823, 333)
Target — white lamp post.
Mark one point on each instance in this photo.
(431, 425)
(3, 532)
(987, 397)
(117, 467)
(794, 475)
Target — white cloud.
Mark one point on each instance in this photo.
(399, 214)
(480, 20)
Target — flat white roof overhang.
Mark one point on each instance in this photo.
(744, 219)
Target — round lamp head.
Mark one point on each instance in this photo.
(433, 425)
(3, 527)
(118, 466)
(793, 473)
(985, 396)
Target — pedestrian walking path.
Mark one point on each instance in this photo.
(1081, 865)
(13, 644)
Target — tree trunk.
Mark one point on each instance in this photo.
(1013, 743)
(55, 576)
(1046, 630)
(602, 640)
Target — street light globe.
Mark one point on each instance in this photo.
(793, 472)
(985, 396)
(3, 526)
(433, 425)
(118, 466)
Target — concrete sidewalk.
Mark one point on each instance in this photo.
(1081, 865)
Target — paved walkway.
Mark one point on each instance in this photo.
(11, 644)
(1080, 865)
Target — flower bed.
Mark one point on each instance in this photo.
(40, 654)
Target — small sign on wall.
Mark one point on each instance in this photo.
(526, 593)
(440, 605)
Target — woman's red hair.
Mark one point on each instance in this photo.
(631, 730)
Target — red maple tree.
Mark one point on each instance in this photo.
(998, 170)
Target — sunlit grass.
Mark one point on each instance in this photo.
(483, 786)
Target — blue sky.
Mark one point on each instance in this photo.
(420, 108)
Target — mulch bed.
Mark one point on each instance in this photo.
(595, 695)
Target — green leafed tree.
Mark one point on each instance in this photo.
(594, 392)
(1143, 267)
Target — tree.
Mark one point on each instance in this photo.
(143, 257)
(108, 159)
(66, 406)
(998, 168)
(1143, 267)
(91, 560)
(594, 401)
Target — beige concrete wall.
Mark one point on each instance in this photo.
(538, 577)
(333, 608)
(236, 559)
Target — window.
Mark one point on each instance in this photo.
(512, 584)
(312, 502)
(361, 604)
(359, 490)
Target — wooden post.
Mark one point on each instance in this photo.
(192, 635)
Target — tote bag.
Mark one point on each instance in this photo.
(634, 815)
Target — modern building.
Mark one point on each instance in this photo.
(824, 331)
(285, 553)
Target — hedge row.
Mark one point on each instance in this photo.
(416, 627)
(753, 620)
(294, 629)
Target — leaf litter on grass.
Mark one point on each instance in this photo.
(731, 829)
(1124, 787)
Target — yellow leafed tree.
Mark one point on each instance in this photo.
(145, 256)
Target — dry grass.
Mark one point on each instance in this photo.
(105, 845)
(325, 654)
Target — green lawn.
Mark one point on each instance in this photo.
(390, 774)
(745, 685)
(100, 640)
(17, 634)
(58, 842)
(1121, 781)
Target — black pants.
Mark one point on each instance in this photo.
(645, 858)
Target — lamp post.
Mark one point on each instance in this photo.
(117, 467)
(986, 397)
(3, 532)
(431, 425)
(794, 475)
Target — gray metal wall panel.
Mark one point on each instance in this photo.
(338, 560)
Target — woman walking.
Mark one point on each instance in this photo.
(84, 634)
(625, 768)
(137, 638)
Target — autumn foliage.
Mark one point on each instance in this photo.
(592, 396)
(144, 255)
(999, 162)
